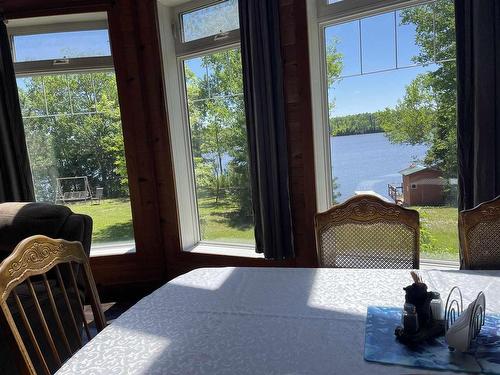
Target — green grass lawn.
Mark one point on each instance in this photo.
(112, 219)
(220, 222)
(440, 223)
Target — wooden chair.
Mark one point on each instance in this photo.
(479, 231)
(367, 232)
(41, 264)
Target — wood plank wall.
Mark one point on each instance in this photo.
(137, 58)
(295, 47)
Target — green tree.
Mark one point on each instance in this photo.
(427, 113)
(218, 129)
(335, 191)
(73, 128)
(334, 66)
(361, 123)
(414, 118)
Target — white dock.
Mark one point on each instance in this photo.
(371, 192)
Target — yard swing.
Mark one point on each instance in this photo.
(76, 189)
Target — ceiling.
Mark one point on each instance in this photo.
(173, 3)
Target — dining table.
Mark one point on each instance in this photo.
(236, 320)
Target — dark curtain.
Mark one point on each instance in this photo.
(478, 100)
(265, 116)
(15, 174)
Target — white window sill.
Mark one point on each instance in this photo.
(438, 264)
(248, 251)
(112, 248)
(238, 250)
(213, 248)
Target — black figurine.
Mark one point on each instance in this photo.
(417, 295)
(418, 298)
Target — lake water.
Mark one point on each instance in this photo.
(370, 162)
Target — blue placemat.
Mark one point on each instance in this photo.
(381, 346)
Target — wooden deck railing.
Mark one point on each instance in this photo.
(396, 193)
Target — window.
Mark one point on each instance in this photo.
(72, 123)
(208, 127)
(204, 24)
(218, 18)
(216, 117)
(389, 92)
(62, 45)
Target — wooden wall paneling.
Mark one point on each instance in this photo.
(36, 8)
(169, 220)
(134, 38)
(295, 48)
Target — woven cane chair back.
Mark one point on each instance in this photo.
(367, 232)
(479, 230)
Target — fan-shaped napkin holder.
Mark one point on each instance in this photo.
(463, 326)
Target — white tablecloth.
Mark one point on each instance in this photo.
(261, 321)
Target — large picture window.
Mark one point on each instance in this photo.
(208, 127)
(216, 117)
(71, 115)
(390, 103)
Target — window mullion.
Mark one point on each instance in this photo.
(396, 40)
(209, 43)
(58, 27)
(348, 8)
(360, 31)
(27, 68)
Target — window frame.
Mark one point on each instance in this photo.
(191, 182)
(178, 111)
(61, 65)
(73, 65)
(201, 45)
(320, 16)
(326, 13)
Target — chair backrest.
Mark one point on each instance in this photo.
(367, 232)
(22, 220)
(99, 192)
(41, 264)
(479, 230)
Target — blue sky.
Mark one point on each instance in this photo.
(371, 92)
(368, 46)
(60, 45)
(375, 43)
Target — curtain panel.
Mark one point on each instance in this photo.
(478, 100)
(15, 174)
(265, 116)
